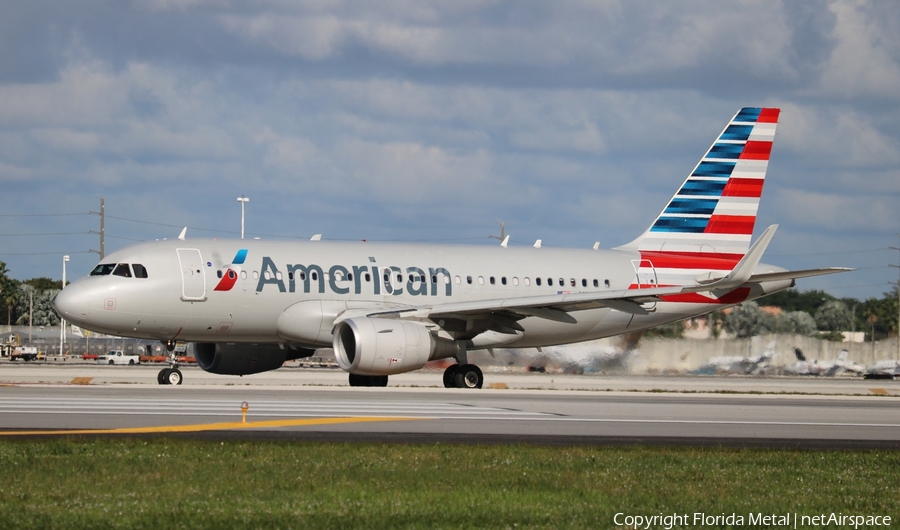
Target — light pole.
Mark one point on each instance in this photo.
(243, 200)
(62, 321)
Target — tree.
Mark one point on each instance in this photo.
(748, 320)
(8, 291)
(797, 322)
(833, 316)
(44, 314)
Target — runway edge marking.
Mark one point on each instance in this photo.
(211, 426)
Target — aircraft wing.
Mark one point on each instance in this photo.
(467, 319)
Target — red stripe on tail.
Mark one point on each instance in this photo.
(768, 116)
(740, 187)
(755, 150)
(730, 224)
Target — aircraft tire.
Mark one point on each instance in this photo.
(174, 377)
(450, 376)
(162, 376)
(469, 376)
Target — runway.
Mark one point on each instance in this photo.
(419, 414)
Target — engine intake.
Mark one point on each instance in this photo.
(244, 359)
(380, 346)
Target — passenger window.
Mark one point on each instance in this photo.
(243, 275)
(481, 280)
(527, 280)
(583, 282)
(314, 275)
(458, 280)
(562, 282)
(122, 270)
(469, 280)
(219, 273)
(493, 281)
(503, 280)
(233, 276)
(368, 277)
(255, 275)
(606, 283)
(537, 281)
(549, 282)
(515, 281)
(139, 270)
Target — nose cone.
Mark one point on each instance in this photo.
(72, 303)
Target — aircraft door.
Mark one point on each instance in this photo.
(645, 273)
(645, 276)
(193, 275)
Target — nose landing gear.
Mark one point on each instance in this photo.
(171, 375)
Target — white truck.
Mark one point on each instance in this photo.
(118, 357)
(26, 353)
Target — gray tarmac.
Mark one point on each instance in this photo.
(316, 404)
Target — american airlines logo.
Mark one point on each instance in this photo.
(355, 279)
(231, 275)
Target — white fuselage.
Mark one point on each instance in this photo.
(196, 290)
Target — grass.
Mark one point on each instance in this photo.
(169, 483)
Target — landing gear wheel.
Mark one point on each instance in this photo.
(161, 376)
(368, 380)
(450, 376)
(174, 377)
(469, 376)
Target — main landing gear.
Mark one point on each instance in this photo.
(463, 376)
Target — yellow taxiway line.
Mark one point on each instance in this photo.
(303, 422)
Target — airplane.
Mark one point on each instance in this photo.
(736, 364)
(823, 368)
(247, 306)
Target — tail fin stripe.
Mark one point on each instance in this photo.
(739, 133)
(730, 224)
(713, 188)
(691, 207)
(754, 150)
(743, 187)
(714, 169)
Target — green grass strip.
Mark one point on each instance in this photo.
(179, 483)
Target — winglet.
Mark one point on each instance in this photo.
(744, 269)
(317, 237)
(537, 244)
(183, 233)
(505, 242)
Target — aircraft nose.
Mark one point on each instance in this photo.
(72, 303)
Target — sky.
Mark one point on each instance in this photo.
(569, 121)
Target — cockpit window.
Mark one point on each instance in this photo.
(122, 269)
(103, 269)
(139, 271)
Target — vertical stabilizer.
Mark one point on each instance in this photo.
(711, 217)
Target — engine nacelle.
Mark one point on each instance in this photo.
(244, 359)
(380, 346)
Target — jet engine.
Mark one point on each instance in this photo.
(244, 359)
(380, 346)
